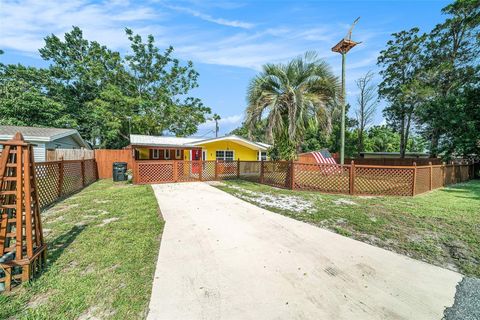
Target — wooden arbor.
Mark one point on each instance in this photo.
(22, 248)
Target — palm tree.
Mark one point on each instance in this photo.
(292, 97)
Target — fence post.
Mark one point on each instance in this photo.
(292, 174)
(82, 166)
(175, 170)
(414, 184)
(444, 169)
(200, 170)
(238, 168)
(60, 177)
(431, 177)
(216, 169)
(262, 171)
(352, 177)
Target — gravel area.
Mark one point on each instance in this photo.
(467, 301)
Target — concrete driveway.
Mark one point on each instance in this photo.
(223, 258)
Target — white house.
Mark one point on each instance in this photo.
(44, 139)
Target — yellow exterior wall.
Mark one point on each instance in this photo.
(240, 152)
(144, 153)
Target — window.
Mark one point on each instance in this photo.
(225, 155)
(155, 154)
(167, 154)
(178, 153)
(262, 155)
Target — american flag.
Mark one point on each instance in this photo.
(323, 156)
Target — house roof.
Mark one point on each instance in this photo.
(160, 141)
(169, 141)
(39, 134)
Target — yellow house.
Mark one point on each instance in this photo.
(227, 148)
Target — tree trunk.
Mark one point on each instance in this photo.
(402, 137)
(434, 143)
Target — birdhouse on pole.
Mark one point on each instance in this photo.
(343, 47)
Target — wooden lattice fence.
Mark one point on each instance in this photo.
(330, 178)
(58, 179)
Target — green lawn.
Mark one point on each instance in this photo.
(441, 227)
(102, 248)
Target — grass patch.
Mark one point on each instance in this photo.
(440, 227)
(102, 248)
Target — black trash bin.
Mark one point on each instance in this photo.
(119, 171)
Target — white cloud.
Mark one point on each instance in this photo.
(25, 23)
(209, 18)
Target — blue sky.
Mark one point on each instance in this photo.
(228, 41)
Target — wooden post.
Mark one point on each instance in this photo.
(19, 205)
(200, 169)
(414, 184)
(292, 175)
(175, 171)
(444, 168)
(82, 166)
(431, 177)
(352, 178)
(8, 279)
(216, 169)
(238, 168)
(262, 171)
(60, 177)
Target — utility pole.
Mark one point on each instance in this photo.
(129, 126)
(343, 47)
(216, 117)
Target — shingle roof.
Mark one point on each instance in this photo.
(34, 131)
(40, 134)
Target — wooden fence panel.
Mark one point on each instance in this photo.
(70, 154)
(105, 159)
(347, 179)
(422, 183)
(395, 181)
(249, 170)
(322, 177)
(58, 179)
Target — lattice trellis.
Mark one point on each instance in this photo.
(383, 181)
(227, 170)
(72, 177)
(188, 170)
(22, 247)
(322, 177)
(90, 171)
(154, 172)
(209, 170)
(48, 177)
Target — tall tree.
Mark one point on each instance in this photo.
(366, 106)
(104, 92)
(291, 97)
(450, 66)
(24, 102)
(400, 63)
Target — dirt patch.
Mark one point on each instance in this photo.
(107, 221)
(95, 313)
(343, 201)
(101, 201)
(279, 201)
(38, 300)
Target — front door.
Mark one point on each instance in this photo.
(195, 157)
